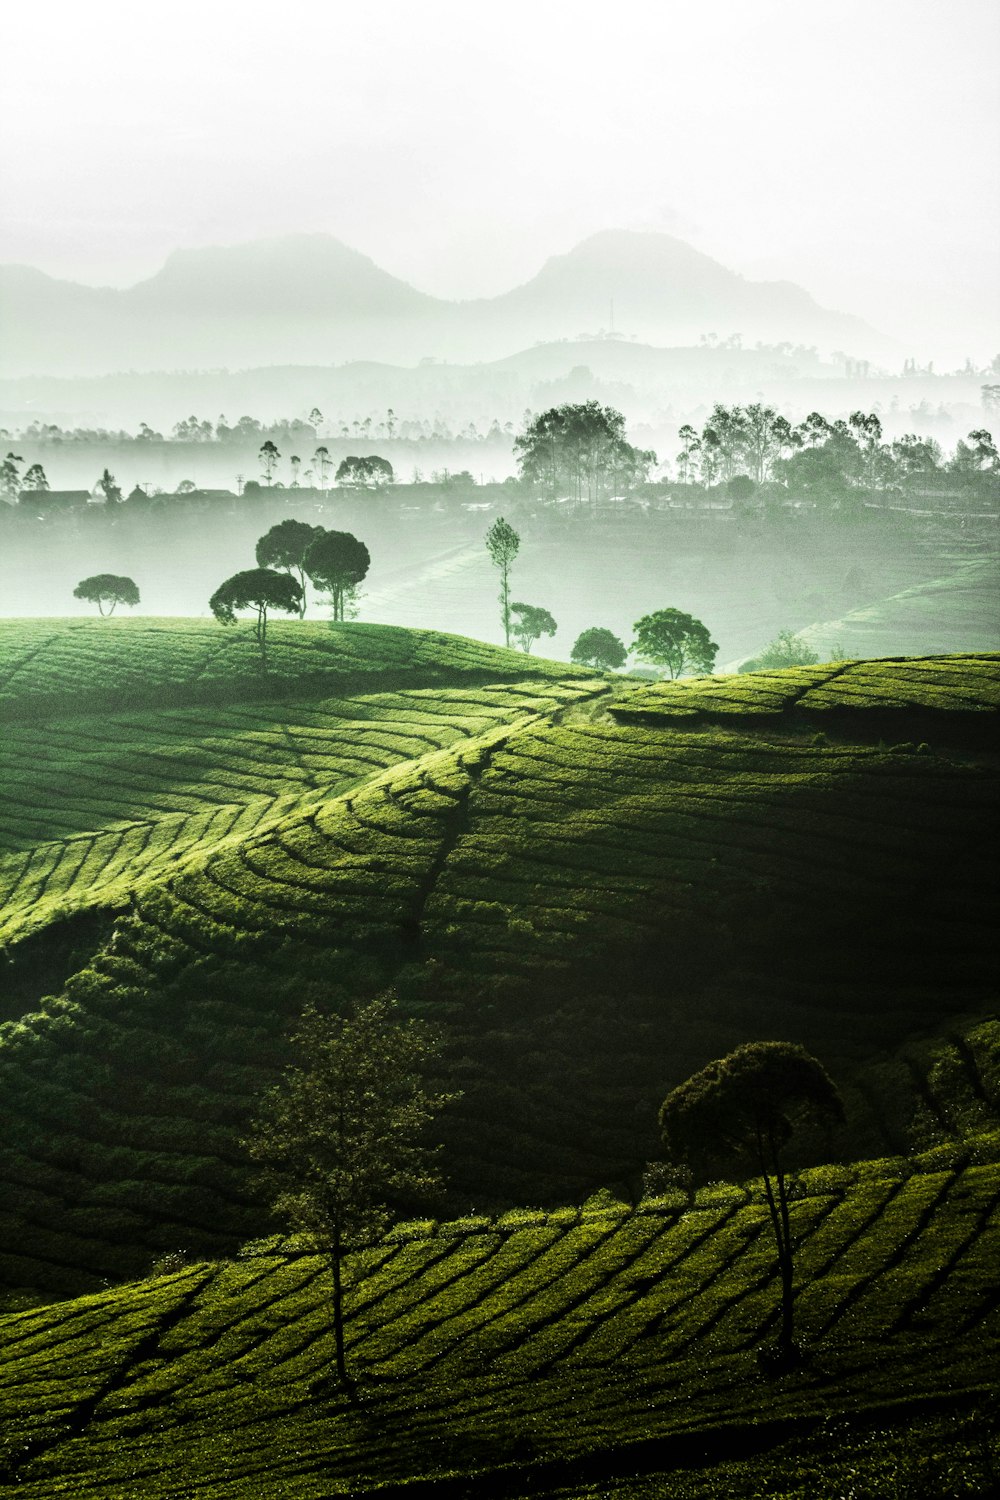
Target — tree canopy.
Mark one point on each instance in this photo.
(669, 638)
(529, 622)
(285, 546)
(600, 649)
(368, 470)
(107, 588)
(340, 1139)
(337, 561)
(742, 1111)
(259, 589)
(580, 450)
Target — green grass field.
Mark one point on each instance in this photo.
(595, 886)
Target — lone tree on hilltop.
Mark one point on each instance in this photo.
(285, 546)
(742, 1110)
(600, 649)
(531, 621)
(340, 1137)
(368, 471)
(260, 589)
(337, 561)
(502, 543)
(107, 588)
(580, 448)
(669, 638)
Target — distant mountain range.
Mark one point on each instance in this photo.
(311, 299)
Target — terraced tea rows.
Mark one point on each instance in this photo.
(517, 1355)
(92, 804)
(954, 695)
(594, 910)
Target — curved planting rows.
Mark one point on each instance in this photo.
(90, 805)
(594, 911)
(536, 1344)
(74, 666)
(959, 686)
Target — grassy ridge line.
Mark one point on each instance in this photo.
(79, 666)
(953, 694)
(535, 1339)
(138, 797)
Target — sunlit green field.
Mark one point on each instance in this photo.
(595, 886)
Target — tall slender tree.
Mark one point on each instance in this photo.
(340, 1138)
(502, 543)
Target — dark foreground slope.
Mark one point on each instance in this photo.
(593, 909)
(599, 1351)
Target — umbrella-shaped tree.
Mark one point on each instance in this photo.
(257, 589)
(107, 589)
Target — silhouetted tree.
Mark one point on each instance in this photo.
(669, 638)
(743, 1109)
(338, 562)
(285, 546)
(340, 1137)
(10, 476)
(530, 621)
(324, 463)
(269, 456)
(600, 649)
(107, 588)
(34, 479)
(368, 470)
(110, 488)
(502, 543)
(259, 589)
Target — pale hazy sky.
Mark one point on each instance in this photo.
(850, 145)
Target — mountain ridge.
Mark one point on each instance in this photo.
(310, 297)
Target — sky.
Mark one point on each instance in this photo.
(852, 146)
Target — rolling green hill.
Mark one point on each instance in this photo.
(592, 908)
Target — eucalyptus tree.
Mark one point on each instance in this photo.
(503, 543)
(269, 456)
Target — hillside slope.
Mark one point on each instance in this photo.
(593, 910)
(544, 1354)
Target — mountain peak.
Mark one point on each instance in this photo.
(285, 275)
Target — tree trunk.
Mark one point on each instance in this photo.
(338, 1313)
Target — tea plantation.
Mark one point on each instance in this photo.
(595, 886)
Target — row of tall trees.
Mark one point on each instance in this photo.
(817, 453)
